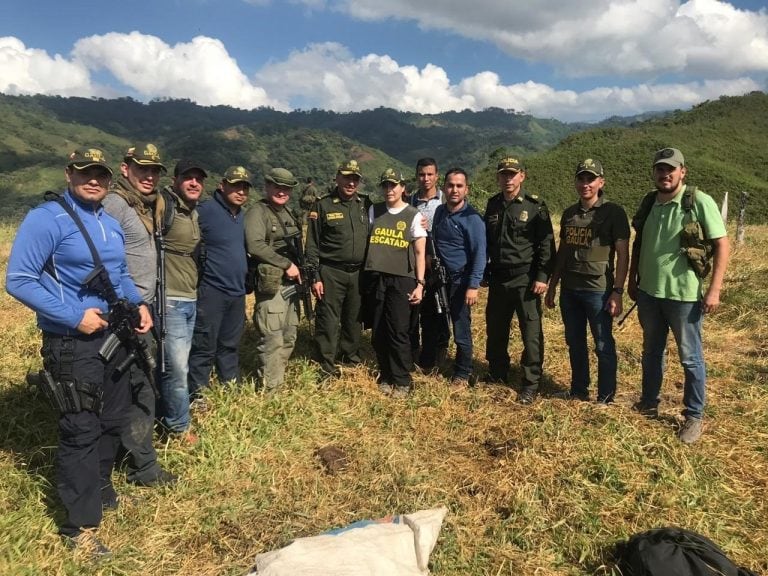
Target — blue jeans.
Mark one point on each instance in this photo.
(462, 330)
(657, 317)
(179, 325)
(580, 308)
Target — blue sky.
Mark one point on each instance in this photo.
(566, 59)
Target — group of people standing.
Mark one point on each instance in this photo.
(185, 266)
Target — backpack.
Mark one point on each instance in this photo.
(693, 244)
(674, 552)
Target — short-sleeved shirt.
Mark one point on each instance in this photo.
(588, 239)
(663, 270)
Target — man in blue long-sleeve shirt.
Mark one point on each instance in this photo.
(459, 234)
(49, 263)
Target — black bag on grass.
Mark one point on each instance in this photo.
(674, 552)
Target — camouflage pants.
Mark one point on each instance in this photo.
(276, 323)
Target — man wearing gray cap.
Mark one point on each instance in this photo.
(220, 315)
(269, 227)
(677, 227)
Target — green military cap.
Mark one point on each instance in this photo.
(591, 166)
(349, 167)
(145, 154)
(83, 158)
(236, 174)
(281, 177)
(670, 156)
(391, 175)
(509, 164)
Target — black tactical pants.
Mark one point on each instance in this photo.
(87, 441)
(391, 319)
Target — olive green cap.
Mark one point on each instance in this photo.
(591, 166)
(509, 164)
(391, 175)
(145, 154)
(83, 158)
(236, 174)
(349, 168)
(281, 177)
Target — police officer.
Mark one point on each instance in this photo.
(336, 241)
(520, 245)
(592, 262)
(48, 266)
(133, 201)
(394, 279)
(269, 226)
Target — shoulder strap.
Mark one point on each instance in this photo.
(52, 196)
(638, 220)
(169, 212)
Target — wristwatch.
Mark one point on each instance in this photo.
(418, 281)
(619, 290)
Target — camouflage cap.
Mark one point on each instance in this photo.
(670, 156)
(236, 174)
(83, 158)
(510, 164)
(281, 177)
(145, 154)
(591, 166)
(391, 175)
(349, 168)
(183, 166)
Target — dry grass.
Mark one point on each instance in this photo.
(545, 489)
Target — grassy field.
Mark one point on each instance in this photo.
(543, 490)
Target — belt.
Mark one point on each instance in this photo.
(345, 266)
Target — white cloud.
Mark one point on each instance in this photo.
(642, 38)
(328, 76)
(31, 71)
(201, 70)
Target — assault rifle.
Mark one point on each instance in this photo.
(439, 283)
(124, 319)
(295, 246)
(160, 300)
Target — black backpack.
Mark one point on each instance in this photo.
(674, 552)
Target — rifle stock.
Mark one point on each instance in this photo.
(439, 283)
(160, 300)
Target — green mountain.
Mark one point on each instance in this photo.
(725, 143)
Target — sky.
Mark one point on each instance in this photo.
(572, 60)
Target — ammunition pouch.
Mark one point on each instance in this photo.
(67, 397)
(268, 279)
(696, 249)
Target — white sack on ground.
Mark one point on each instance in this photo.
(398, 548)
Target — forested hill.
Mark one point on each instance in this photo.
(725, 143)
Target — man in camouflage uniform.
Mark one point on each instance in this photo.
(336, 241)
(521, 246)
(269, 226)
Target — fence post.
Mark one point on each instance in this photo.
(740, 222)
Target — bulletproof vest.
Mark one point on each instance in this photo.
(581, 234)
(389, 249)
